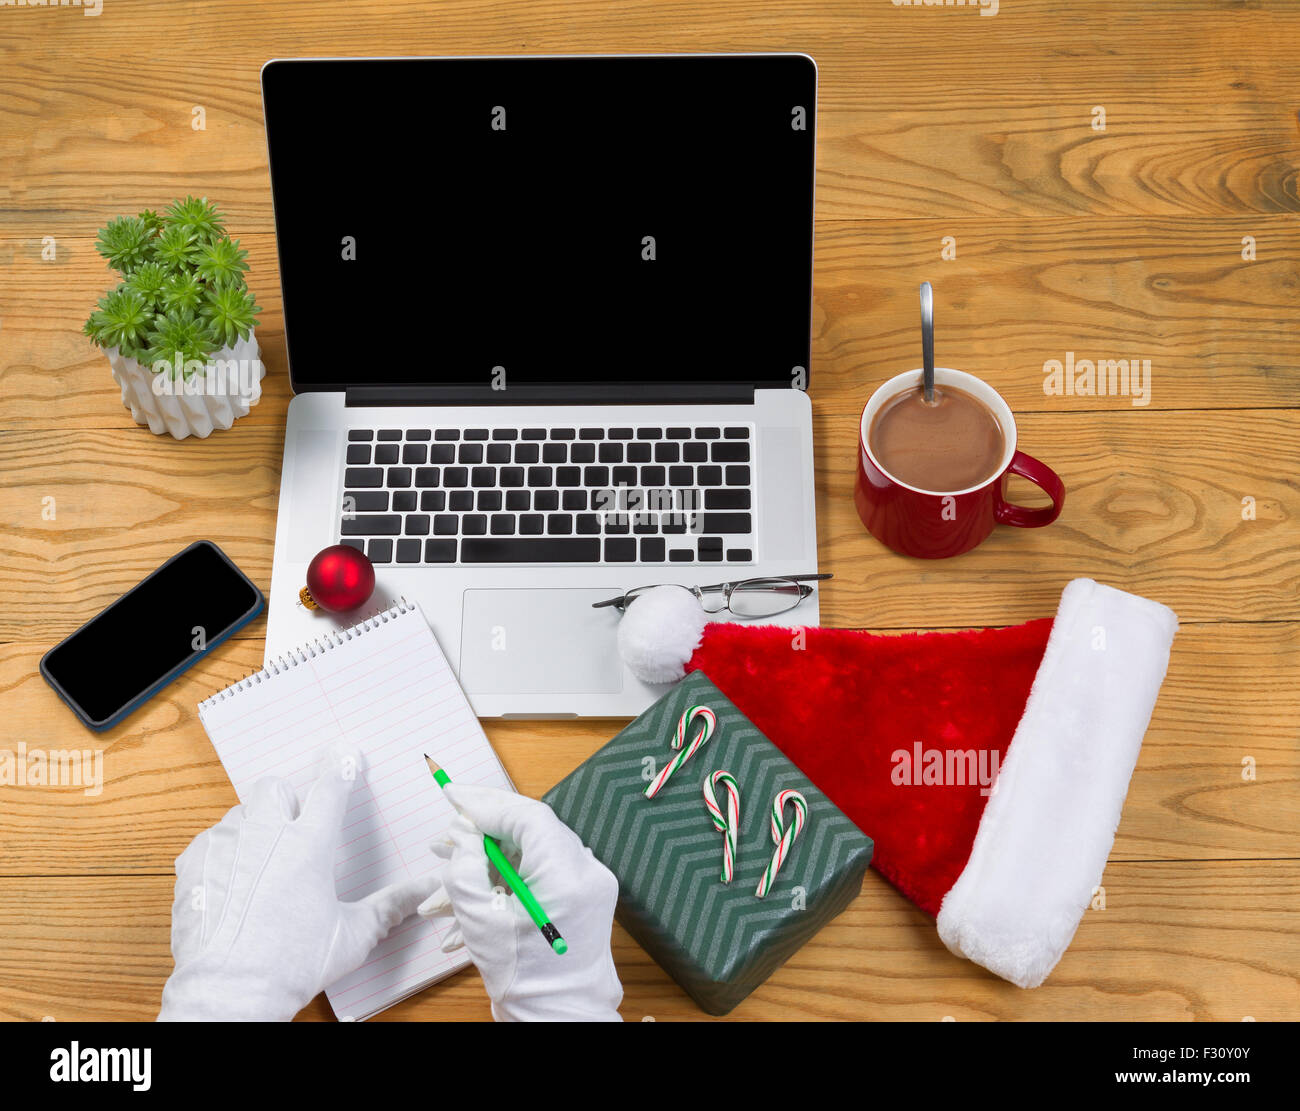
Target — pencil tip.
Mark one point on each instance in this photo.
(425, 755)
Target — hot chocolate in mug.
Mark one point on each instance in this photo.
(934, 524)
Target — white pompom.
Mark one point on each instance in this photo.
(659, 632)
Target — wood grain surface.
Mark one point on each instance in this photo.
(933, 123)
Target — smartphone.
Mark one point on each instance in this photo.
(157, 629)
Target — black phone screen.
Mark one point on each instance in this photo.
(152, 633)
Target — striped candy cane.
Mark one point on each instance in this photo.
(708, 722)
(783, 835)
(727, 825)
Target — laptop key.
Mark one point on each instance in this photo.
(427, 476)
(562, 433)
(591, 433)
(418, 433)
(736, 476)
(455, 476)
(473, 524)
(725, 522)
(708, 476)
(617, 524)
(511, 477)
(595, 476)
(355, 434)
(490, 500)
(653, 476)
(611, 453)
(365, 501)
(399, 477)
(386, 453)
(414, 453)
(503, 524)
(695, 453)
(638, 453)
(498, 453)
(533, 434)
(730, 452)
(652, 549)
(650, 433)
(585, 453)
(433, 501)
(736, 433)
(517, 499)
(444, 524)
(681, 476)
(587, 524)
(739, 555)
(523, 549)
(532, 524)
(678, 433)
(559, 524)
(667, 452)
(620, 551)
(404, 501)
(646, 524)
(681, 555)
(726, 499)
(440, 551)
(574, 499)
(620, 433)
(372, 524)
(446, 434)
(358, 453)
(707, 433)
(460, 501)
(546, 499)
(555, 453)
(527, 453)
(504, 434)
(417, 524)
(380, 551)
(568, 476)
(540, 476)
(390, 433)
(624, 476)
(408, 551)
(474, 434)
(483, 476)
(470, 453)
(442, 453)
(357, 545)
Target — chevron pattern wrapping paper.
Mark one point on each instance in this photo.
(719, 941)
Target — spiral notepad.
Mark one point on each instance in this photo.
(385, 686)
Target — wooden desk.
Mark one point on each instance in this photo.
(1125, 243)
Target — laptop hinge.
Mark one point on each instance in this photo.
(648, 393)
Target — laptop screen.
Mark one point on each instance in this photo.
(469, 221)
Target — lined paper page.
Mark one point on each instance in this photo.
(388, 689)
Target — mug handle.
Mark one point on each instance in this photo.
(1041, 475)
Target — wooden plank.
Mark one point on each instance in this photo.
(1194, 940)
(1229, 695)
(1133, 519)
(1218, 331)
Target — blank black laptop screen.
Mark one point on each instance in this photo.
(570, 220)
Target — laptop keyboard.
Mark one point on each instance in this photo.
(629, 494)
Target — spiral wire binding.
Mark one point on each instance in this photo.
(310, 650)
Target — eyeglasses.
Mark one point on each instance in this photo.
(764, 597)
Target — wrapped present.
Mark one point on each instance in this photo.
(718, 940)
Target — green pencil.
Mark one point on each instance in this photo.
(513, 878)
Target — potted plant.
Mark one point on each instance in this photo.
(178, 329)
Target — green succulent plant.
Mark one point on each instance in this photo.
(183, 291)
(124, 242)
(230, 312)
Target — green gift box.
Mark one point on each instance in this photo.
(719, 941)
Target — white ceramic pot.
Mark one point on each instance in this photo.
(232, 386)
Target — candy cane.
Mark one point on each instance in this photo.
(728, 825)
(782, 835)
(708, 722)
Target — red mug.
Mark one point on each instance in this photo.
(934, 525)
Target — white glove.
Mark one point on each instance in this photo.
(525, 978)
(257, 926)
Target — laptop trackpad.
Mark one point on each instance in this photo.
(531, 641)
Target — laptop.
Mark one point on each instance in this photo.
(548, 324)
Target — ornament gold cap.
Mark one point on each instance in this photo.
(304, 596)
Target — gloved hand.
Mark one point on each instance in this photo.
(525, 978)
(257, 926)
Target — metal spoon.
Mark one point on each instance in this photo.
(927, 339)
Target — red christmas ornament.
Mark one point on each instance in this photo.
(338, 579)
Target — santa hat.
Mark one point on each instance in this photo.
(989, 766)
